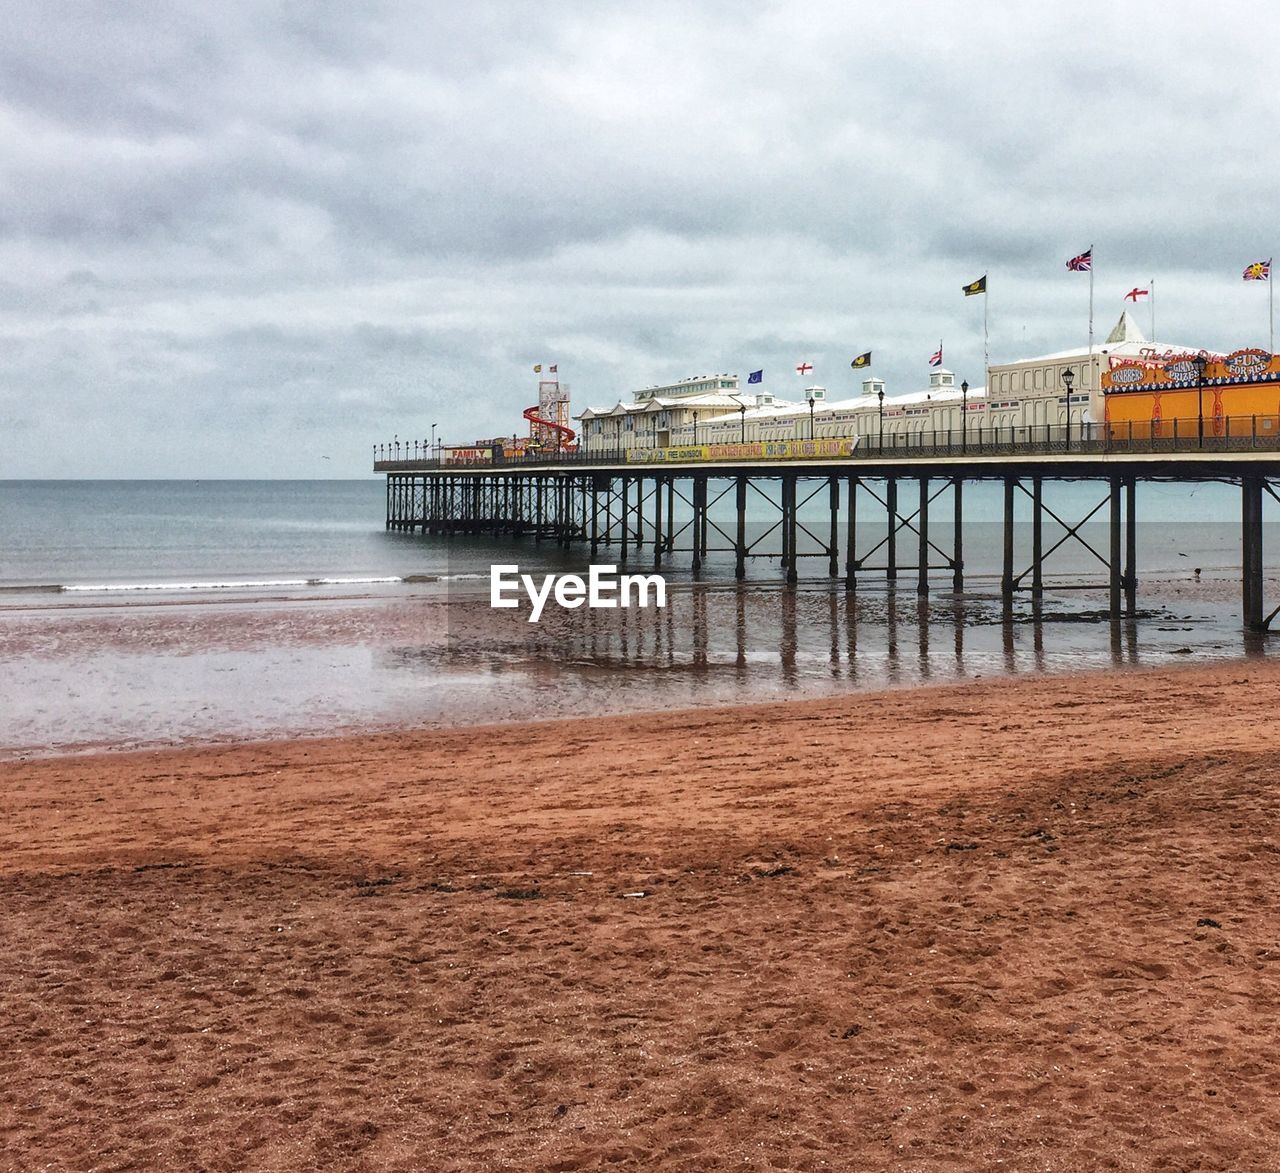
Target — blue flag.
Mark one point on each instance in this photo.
(756, 377)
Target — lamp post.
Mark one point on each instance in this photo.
(1068, 378)
(880, 396)
(695, 429)
(433, 439)
(742, 419)
(964, 415)
(1199, 362)
(810, 417)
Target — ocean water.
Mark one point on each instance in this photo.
(159, 612)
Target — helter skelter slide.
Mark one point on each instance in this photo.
(549, 418)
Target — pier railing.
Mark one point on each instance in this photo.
(1219, 434)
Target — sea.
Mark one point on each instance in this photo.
(138, 614)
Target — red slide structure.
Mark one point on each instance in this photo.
(564, 436)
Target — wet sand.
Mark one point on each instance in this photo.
(1027, 924)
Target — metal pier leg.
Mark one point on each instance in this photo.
(833, 543)
(640, 510)
(699, 496)
(1131, 546)
(851, 538)
(626, 521)
(957, 551)
(671, 514)
(594, 506)
(539, 512)
(608, 510)
(789, 528)
(1251, 551)
(657, 521)
(891, 550)
(1006, 576)
(1117, 572)
(388, 511)
(922, 570)
(1037, 539)
(740, 543)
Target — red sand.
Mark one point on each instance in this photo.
(1023, 924)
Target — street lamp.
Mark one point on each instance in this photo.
(964, 415)
(810, 417)
(433, 437)
(1068, 378)
(880, 396)
(1200, 362)
(695, 429)
(742, 418)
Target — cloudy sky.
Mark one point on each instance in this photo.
(255, 238)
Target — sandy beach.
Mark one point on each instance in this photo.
(1023, 924)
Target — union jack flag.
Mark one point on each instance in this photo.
(1083, 263)
(936, 360)
(1258, 271)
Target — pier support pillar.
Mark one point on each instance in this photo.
(1006, 574)
(1131, 545)
(1037, 539)
(833, 539)
(922, 569)
(740, 541)
(957, 552)
(657, 522)
(1251, 551)
(789, 529)
(699, 496)
(891, 545)
(851, 538)
(1116, 584)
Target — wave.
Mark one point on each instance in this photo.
(93, 588)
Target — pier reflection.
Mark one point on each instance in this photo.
(722, 643)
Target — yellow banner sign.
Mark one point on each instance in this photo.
(756, 450)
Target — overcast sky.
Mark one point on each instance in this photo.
(241, 238)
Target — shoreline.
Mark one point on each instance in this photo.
(375, 734)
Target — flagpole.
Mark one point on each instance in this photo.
(1271, 298)
(1091, 306)
(1152, 283)
(986, 338)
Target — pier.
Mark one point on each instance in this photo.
(649, 506)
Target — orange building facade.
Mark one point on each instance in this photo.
(1237, 395)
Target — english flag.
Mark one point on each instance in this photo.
(1136, 293)
(803, 369)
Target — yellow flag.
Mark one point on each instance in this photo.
(538, 369)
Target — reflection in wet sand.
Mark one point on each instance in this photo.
(163, 674)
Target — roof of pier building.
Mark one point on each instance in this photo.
(1126, 340)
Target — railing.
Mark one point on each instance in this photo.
(1220, 434)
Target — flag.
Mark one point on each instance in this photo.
(756, 377)
(863, 360)
(552, 369)
(1258, 271)
(803, 369)
(936, 360)
(1136, 293)
(537, 370)
(978, 286)
(1083, 263)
